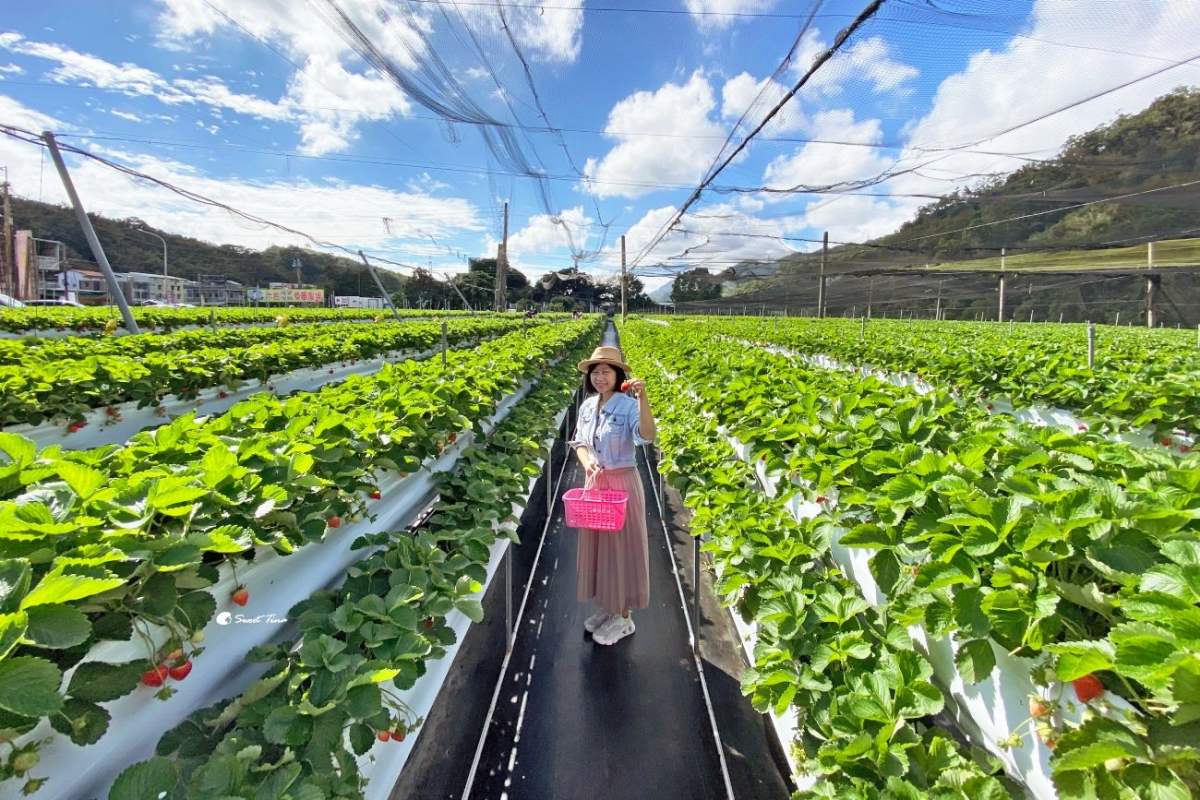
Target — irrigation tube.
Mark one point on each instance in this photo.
(487, 722)
(692, 635)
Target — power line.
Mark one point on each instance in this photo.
(818, 62)
(30, 137)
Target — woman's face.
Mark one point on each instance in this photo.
(604, 378)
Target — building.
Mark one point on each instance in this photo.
(140, 287)
(216, 290)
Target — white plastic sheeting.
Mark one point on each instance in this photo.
(276, 583)
(1039, 415)
(990, 710)
(99, 431)
(382, 765)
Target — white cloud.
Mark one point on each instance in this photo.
(716, 237)
(345, 213)
(868, 59)
(818, 163)
(549, 35)
(426, 184)
(679, 158)
(544, 233)
(325, 99)
(710, 15)
(125, 115)
(11, 69)
(740, 91)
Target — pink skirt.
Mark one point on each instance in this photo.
(613, 567)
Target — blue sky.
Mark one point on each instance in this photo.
(264, 105)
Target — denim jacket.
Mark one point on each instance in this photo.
(613, 433)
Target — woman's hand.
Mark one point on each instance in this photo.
(592, 470)
(638, 387)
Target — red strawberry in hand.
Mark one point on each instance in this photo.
(625, 386)
(241, 596)
(1088, 688)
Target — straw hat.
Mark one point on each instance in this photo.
(605, 355)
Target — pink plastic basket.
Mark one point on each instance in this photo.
(595, 509)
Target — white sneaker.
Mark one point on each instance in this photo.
(614, 630)
(595, 621)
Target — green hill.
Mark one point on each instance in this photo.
(1037, 214)
(129, 250)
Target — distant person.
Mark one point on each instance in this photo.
(612, 568)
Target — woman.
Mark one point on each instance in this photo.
(613, 567)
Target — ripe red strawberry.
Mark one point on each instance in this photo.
(155, 677)
(240, 596)
(452, 438)
(74, 426)
(180, 672)
(625, 386)
(383, 736)
(1088, 688)
(822, 498)
(398, 735)
(335, 521)
(375, 495)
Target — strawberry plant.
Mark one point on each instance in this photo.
(1066, 546)
(336, 694)
(102, 545)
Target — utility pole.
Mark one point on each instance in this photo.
(821, 285)
(296, 266)
(502, 267)
(8, 265)
(624, 279)
(90, 233)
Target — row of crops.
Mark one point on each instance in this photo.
(896, 550)
(64, 380)
(1140, 377)
(42, 319)
(118, 563)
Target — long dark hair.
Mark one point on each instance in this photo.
(587, 378)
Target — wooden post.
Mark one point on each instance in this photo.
(502, 267)
(444, 343)
(1151, 281)
(1091, 345)
(821, 284)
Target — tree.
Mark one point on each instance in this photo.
(695, 284)
(423, 290)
